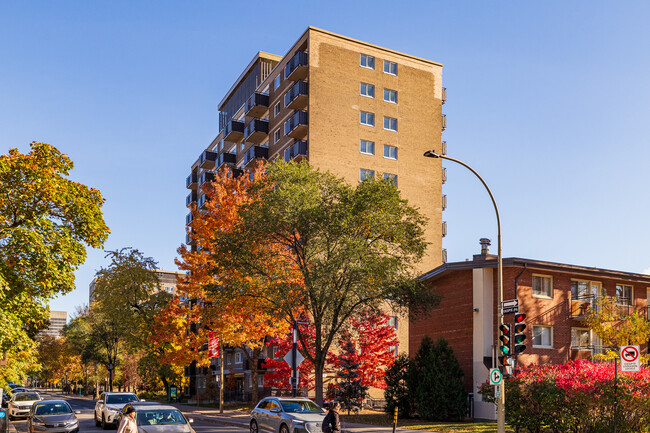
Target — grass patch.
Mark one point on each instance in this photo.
(382, 419)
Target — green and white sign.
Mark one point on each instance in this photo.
(495, 376)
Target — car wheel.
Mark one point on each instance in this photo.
(104, 425)
(97, 422)
(254, 427)
(284, 429)
(11, 417)
(355, 410)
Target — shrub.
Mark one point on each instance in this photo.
(397, 393)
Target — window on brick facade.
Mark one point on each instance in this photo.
(367, 61)
(367, 118)
(392, 178)
(580, 339)
(393, 322)
(276, 109)
(278, 81)
(624, 294)
(238, 358)
(390, 152)
(390, 67)
(276, 135)
(585, 290)
(367, 147)
(390, 96)
(390, 123)
(542, 336)
(365, 173)
(542, 286)
(367, 90)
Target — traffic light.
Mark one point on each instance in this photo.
(505, 337)
(520, 336)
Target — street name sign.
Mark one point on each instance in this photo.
(510, 307)
(630, 359)
(495, 376)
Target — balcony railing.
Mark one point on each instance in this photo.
(192, 181)
(444, 122)
(257, 131)
(188, 219)
(296, 151)
(298, 96)
(297, 68)
(296, 125)
(581, 304)
(257, 105)
(256, 152)
(202, 200)
(205, 177)
(191, 198)
(226, 158)
(207, 159)
(234, 131)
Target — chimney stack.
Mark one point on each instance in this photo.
(485, 246)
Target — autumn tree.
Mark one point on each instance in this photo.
(352, 246)
(278, 371)
(350, 389)
(46, 223)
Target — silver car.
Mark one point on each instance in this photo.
(21, 403)
(161, 419)
(286, 415)
(52, 416)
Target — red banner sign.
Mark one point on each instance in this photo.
(214, 343)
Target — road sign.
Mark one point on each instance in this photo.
(495, 376)
(630, 359)
(510, 307)
(299, 359)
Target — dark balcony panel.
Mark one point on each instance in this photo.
(297, 68)
(234, 131)
(202, 200)
(235, 172)
(226, 158)
(257, 131)
(257, 105)
(256, 152)
(206, 177)
(298, 96)
(191, 198)
(188, 219)
(207, 159)
(189, 240)
(192, 181)
(297, 151)
(296, 125)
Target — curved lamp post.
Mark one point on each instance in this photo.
(502, 397)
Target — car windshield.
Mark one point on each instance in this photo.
(297, 406)
(52, 409)
(159, 417)
(26, 397)
(120, 398)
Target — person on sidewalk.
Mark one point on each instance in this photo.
(332, 422)
(127, 425)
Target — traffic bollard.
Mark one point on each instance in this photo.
(4, 421)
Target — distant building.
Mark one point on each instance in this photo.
(58, 319)
(167, 283)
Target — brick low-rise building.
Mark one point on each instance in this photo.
(554, 297)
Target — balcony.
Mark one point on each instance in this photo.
(296, 126)
(444, 95)
(444, 122)
(297, 151)
(191, 198)
(189, 240)
(206, 176)
(298, 96)
(192, 181)
(257, 131)
(298, 67)
(206, 160)
(202, 201)
(188, 219)
(234, 131)
(257, 105)
(226, 158)
(255, 152)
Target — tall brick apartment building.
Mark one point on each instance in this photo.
(553, 295)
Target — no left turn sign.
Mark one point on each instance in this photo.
(630, 360)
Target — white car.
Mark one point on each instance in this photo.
(109, 405)
(21, 403)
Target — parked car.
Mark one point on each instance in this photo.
(286, 415)
(161, 419)
(55, 416)
(109, 405)
(21, 403)
(134, 405)
(5, 399)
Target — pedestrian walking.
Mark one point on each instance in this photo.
(332, 422)
(127, 425)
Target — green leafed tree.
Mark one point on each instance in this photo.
(397, 393)
(46, 223)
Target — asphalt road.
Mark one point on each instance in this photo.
(87, 423)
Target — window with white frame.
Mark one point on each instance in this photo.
(390, 123)
(392, 178)
(278, 81)
(390, 96)
(276, 135)
(390, 67)
(624, 294)
(393, 321)
(390, 152)
(276, 109)
(365, 173)
(238, 358)
(542, 286)
(367, 118)
(580, 339)
(585, 290)
(367, 90)
(367, 61)
(542, 336)
(367, 147)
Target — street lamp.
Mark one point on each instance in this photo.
(501, 399)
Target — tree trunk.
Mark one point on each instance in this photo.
(319, 366)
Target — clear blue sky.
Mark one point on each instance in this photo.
(548, 101)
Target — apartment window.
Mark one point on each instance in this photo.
(238, 358)
(260, 381)
(392, 178)
(581, 290)
(390, 96)
(367, 61)
(624, 294)
(368, 90)
(393, 322)
(276, 135)
(542, 286)
(367, 147)
(390, 123)
(276, 109)
(278, 80)
(367, 118)
(542, 336)
(390, 67)
(365, 173)
(241, 146)
(580, 339)
(390, 152)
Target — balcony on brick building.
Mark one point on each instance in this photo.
(255, 152)
(257, 105)
(234, 131)
(298, 96)
(297, 151)
(206, 160)
(257, 131)
(192, 181)
(191, 198)
(226, 159)
(296, 126)
(206, 176)
(298, 67)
